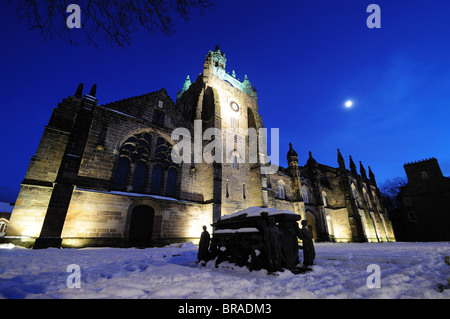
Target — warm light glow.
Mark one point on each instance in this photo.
(348, 103)
(196, 222)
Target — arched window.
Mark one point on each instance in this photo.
(424, 176)
(139, 154)
(281, 191)
(234, 124)
(305, 195)
(120, 177)
(140, 173)
(235, 162)
(171, 181)
(353, 188)
(156, 179)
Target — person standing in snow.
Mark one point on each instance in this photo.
(203, 247)
(309, 252)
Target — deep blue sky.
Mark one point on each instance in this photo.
(304, 57)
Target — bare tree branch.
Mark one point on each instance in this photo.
(113, 20)
(390, 189)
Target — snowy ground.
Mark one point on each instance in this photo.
(408, 270)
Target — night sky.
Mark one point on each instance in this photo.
(306, 58)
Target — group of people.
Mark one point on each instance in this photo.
(280, 243)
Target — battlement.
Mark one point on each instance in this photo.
(420, 161)
(423, 170)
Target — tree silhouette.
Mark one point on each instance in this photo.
(113, 20)
(390, 189)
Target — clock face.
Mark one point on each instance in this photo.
(234, 106)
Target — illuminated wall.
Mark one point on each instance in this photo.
(28, 215)
(99, 218)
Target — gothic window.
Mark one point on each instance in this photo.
(140, 173)
(163, 151)
(234, 124)
(171, 181)
(305, 195)
(156, 179)
(120, 178)
(281, 190)
(424, 176)
(353, 189)
(144, 164)
(235, 162)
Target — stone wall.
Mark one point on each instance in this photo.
(96, 218)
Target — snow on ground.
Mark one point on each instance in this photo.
(408, 270)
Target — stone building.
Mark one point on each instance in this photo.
(107, 175)
(423, 212)
(5, 213)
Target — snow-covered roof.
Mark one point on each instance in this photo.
(239, 230)
(256, 211)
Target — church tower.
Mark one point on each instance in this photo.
(227, 108)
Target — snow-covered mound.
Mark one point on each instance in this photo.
(408, 270)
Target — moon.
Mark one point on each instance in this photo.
(348, 103)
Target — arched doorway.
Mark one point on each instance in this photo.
(311, 223)
(141, 226)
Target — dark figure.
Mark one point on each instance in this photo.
(289, 244)
(272, 239)
(203, 247)
(308, 246)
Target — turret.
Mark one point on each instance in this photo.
(292, 156)
(294, 171)
(186, 85)
(353, 167)
(341, 160)
(311, 161)
(372, 177)
(79, 92)
(215, 63)
(362, 171)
